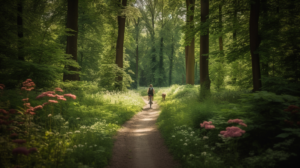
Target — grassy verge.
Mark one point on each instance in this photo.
(72, 133)
(196, 146)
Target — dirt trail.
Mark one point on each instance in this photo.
(139, 144)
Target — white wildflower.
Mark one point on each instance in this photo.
(205, 137)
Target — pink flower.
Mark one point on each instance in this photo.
(70, 95)
(38, 107)
(61, 98)
(45, 104)
(52, 101)
(232, 132)
(205, 123)
(243, 124)
(20, 150)
(32, 150)
(51, 95)
(235, 121)
(19, 141)
(2, 85)
(3, 111)
(58, 89)
(209, 126)
(27, 104)
(45, 94)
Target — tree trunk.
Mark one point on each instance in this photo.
(265, 65)
(204, 49)
(161, 63)
(220, 27)
(234, 20)
(20, 30)
(137, 54)
(120, 43)
(190, 50)
(72, 23)
(254, 44)
(171, 62)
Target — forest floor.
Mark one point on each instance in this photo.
(139, 144)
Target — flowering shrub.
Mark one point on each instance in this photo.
(51, 129)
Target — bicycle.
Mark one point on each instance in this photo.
(150, 101)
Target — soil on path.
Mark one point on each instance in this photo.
(139, 144)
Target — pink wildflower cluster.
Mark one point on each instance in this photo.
(2, 86)
(207, 125)
(52, 94)
(239, 121)
(232, 132)
(59, 90)
(30, 110)
(28, 85)
(5, 117)
(70, 95)
(48, 94)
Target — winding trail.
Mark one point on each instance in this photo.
(139, 144)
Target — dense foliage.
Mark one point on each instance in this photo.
(262, 128)
(52, 129)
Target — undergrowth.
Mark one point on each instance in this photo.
(69, 133)
(265, 136)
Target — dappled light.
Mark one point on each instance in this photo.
(149, 83)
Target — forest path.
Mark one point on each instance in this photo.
(139, 144)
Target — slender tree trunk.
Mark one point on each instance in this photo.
(20, 30)
(72, 23)
(196, 75)
(264, 27)
(204, 49)
(137, 54)
(234, 20)
(171, 62)
(119, 48)
(254, 44)
(220, 27)
(190, 50)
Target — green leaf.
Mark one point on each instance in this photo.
(283, 135)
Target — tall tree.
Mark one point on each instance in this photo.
(190, 50)
(220, 29)
(137, 22)
(72, 23)
(204, 49)
(20, 29)
(161, 68)
(254, 44)
(120, 43)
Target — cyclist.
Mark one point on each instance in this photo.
(150, 92)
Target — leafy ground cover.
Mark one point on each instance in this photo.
(231, 128)
(68, 126)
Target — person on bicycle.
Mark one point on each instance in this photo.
(150, 92)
